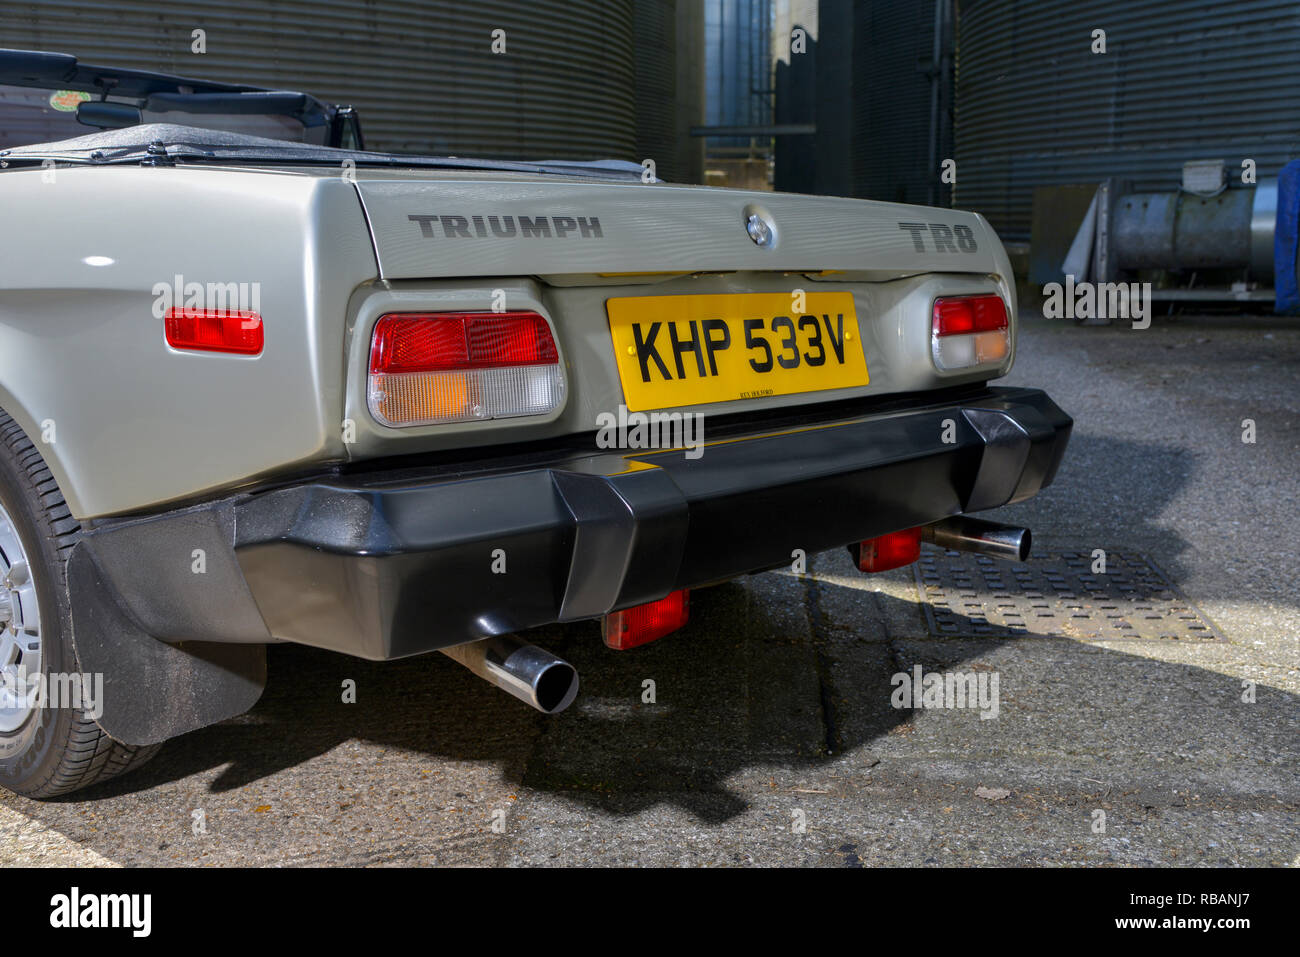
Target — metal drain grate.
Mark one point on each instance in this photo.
(1055, 595)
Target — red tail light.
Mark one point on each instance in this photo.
(888, 551)
(646, 623)
(443, 342)
(968, 331)
(214, 330)
(965, 314)
(428, 368)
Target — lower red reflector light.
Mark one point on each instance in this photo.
(646, 623)
(888, 551)
(214, 330)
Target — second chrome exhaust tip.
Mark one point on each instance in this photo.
(531, 674)
(964, 534)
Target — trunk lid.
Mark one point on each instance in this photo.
(429, 225)
(660, 299)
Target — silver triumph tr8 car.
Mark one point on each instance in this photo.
(259, 384)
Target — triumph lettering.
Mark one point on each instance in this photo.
(506, 227)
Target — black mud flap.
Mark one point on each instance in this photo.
(155, 690)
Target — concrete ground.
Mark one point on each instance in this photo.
(772, 739)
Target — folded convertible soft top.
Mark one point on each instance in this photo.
(167, 141)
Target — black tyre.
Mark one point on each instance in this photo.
(44, 750)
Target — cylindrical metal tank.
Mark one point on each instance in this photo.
(1179, 80)
(1180, 230)
(423, 76)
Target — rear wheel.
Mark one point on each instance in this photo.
(47, 747)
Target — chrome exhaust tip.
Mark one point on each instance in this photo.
(964, 534)
(531, 674)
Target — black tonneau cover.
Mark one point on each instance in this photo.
(63, 71)
(169, 143)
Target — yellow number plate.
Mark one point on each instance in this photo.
(692, 350)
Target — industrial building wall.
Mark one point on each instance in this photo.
(865, 83)
(669, 78)
(893, 49)
(738, 55)
(576, 80)
(1180, 80)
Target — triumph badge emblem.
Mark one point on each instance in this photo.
(760, 227)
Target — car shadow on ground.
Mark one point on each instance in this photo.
(770, 677)
(778, 673)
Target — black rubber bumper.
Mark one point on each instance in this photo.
(390, 564)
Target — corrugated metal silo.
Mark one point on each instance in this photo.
(1180, 80)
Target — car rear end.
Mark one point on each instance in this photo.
(467, 402)
(565, 397)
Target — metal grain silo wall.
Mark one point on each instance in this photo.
(893, 40)
(670, 86)
(1181, 79)
(690, 90)
(422, 74)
